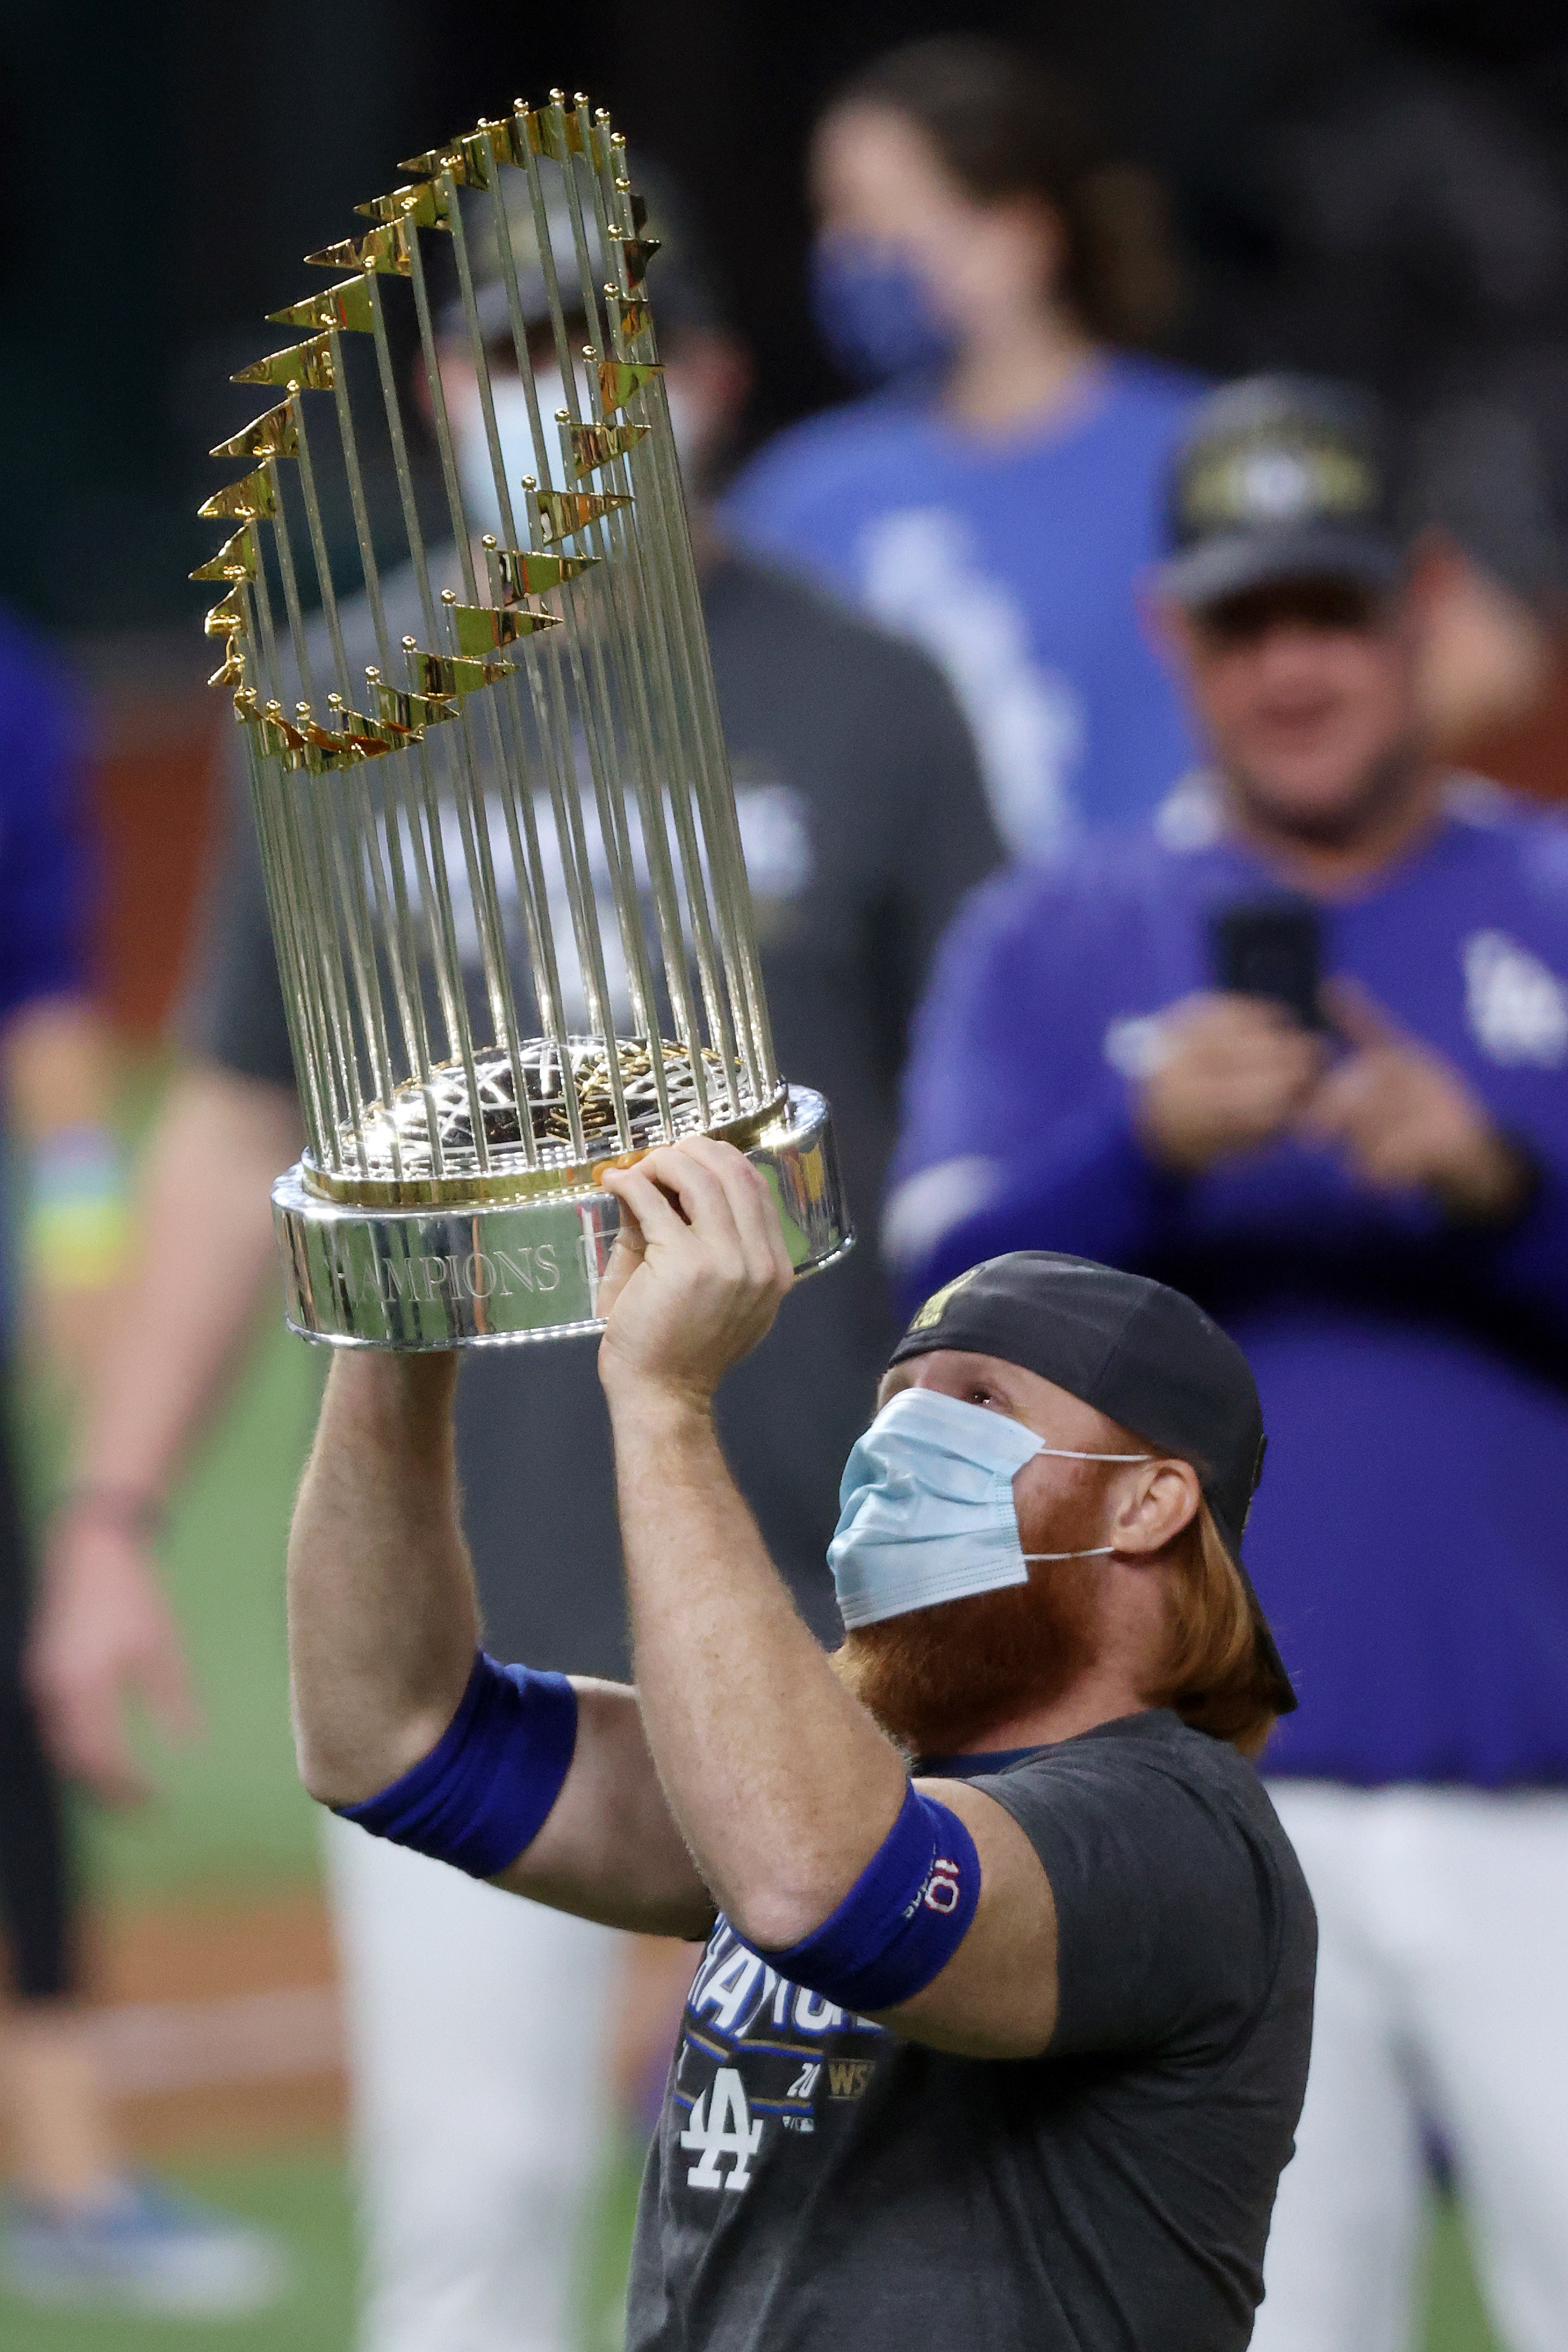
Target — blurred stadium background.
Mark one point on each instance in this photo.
(160, 173)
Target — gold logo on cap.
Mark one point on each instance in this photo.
(936, 1304)
(1279, 482)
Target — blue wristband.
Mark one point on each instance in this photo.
(486, 1789)
(901, 1921)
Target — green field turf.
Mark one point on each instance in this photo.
(303, 2194)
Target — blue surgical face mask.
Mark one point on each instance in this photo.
(874, 312)
(926, 1509)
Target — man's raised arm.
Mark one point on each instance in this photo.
(925, 1905)
(394, 1721)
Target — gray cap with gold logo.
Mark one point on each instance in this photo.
(1281, 478)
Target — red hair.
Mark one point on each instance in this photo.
(1212, 1673)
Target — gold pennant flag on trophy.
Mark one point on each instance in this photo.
(485, 628)
(274, 434)
(422, 206)
(303, 367)
(635, 316)
(618, 379)
(635, 253)
(347, 307)
(552, 129)
(241, 501)
(447, 676)
(373, 735)
(236, 558)
(518, 572)
(410, 712)
(385, 250)
(466, 157)
(593, 446)
(562, 513)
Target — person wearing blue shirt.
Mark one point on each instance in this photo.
(1298, 1046)
(994, 496)
(77, 2226)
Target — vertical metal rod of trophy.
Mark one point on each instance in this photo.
(309, 946)
(275, 871)
(608, 800)
(472, 819)
(631, 699)
(395, 944)
(710, 777)
(576, 865)
(606, 157)
(597, 717)
(710, 774)
(314, 793)
(625, 636)
(596, 708)
(295, 891)
(346, 857)
(521, 828)
(425, 824)
(631, 537)
(316, 1127)
(318, 881)
(599, 707)
(280, 899)
(715, 993)
(403, 944)
(556, 747)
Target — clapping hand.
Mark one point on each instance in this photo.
(1234, 1072)
(1230, 1073)
(1404, 1119)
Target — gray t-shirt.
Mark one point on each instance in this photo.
(816, 2182)
(864, 823)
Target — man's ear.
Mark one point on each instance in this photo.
(1164, 1500)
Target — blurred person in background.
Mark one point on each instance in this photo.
(480, 2028)
(79, 2225)
(1493, 681)
(1365, 1180)
(994, 495)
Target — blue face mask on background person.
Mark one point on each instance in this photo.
(874, 312)
(926, 1509)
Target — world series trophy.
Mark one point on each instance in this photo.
(502, 859)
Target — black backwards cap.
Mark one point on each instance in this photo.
(1144, 1355)
(1282, 477)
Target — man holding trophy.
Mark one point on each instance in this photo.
(948, 2042)
(1007, 2053)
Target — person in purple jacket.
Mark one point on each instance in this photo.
(1298, 1048)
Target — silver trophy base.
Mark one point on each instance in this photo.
(493, 1273)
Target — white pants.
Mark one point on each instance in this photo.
(1442, 1996)
(477, 2030)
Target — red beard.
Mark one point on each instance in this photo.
(937, 1679)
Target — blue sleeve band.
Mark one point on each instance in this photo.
(901, 1921)
(485, 1790)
